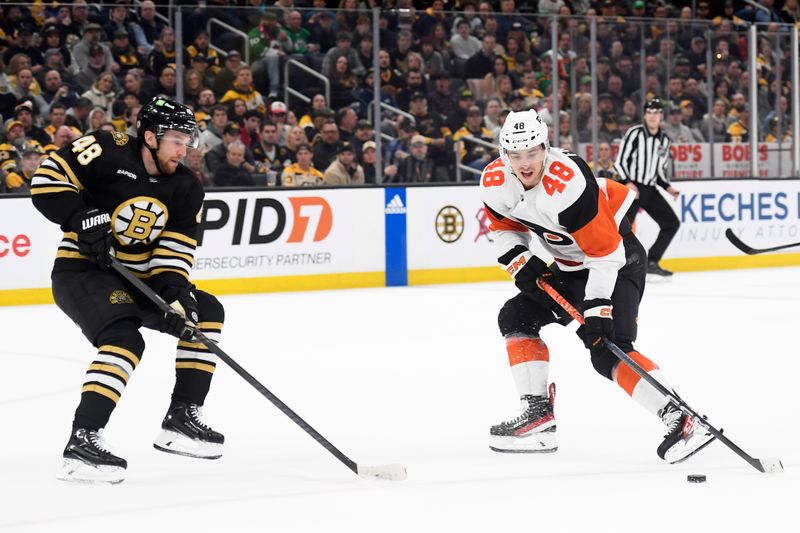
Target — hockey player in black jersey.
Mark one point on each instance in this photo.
(133, 198)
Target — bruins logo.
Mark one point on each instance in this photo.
(139, 220)
(120, 138)
(449, 224)
(120, 297)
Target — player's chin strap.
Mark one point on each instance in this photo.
(153, 152)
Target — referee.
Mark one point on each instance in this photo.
(641, 164)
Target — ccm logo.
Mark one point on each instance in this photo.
(19, 245)
(605, 312)
(312, 219)
(515, 265)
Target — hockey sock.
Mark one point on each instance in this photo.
(530, 364)
(640, 390)
(108, 375)
(195, 365)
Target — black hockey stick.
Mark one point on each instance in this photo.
(393, 472)
(737, 242)
(769, 465)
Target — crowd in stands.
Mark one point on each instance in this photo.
(455, 69)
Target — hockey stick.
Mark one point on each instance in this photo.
(737, 242)
(393, 472)
(769, 465)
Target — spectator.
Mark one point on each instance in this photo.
(97, 117)
(367, 161)
(499, 68)
(400, 53)
(298, 35)
(463, 44)
(302, 173)
(307, 121)
(432, 61)
(25, 46)
(415, 83)
(133, 84)
(78, 116)
(776, 134)
(716, 122)
(279, 114)
(163, 52)
(192, 87)
(417, 167)
(26, 88)
(118, 21)
(342, 48)
(675, 129)
(101, 94)
(323, 36)
(194, 161)
(123, 53)
(250, 131)
(58, 117)
(491, 117)
(365, 45)
(603, 164)
(738, 130)
(268, 43)
(346, 119)
(52, 40)
(19, 180)
(391, 80)
(148, 29)
(270, 157)
(65, 135)
(25, 113)
(504, 90)
(687, 110)
(344, 170)
(243, 89)
(200, 48)
(233, 172)
(96, 64)
(442, 100)
(326, 148)
(481, 62)
(472, 154)
(91, 41)
(530, 89)
(295, 138)
(215, 157)
(227, 76)
(343, 83)
(212, 135)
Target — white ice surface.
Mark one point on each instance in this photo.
(417, 375)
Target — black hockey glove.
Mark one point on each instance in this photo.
(598, 323)
(95, 239)
(526, 268)
(181, 321)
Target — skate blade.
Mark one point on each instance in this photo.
(540, 442)
(172, 442)
(76, 471)
(681, 452)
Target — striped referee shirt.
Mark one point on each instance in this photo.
(643, 158)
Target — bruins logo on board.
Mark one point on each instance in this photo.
(120, 297)
(120, 138)
(449, 224)
(139, 220)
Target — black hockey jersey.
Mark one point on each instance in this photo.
(154, 218)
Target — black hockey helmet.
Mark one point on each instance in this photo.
(162, 114)
(655, 104)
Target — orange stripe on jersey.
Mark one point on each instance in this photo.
(617, 193)
(627, 378)
(496, 224)
(600, 236)
(525, 349)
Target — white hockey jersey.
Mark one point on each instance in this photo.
(575, 216)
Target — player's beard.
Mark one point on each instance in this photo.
(167, 165)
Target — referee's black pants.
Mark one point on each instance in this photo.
(655, 205)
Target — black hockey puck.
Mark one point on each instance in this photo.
(696, 478)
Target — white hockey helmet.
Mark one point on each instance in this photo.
(523, 130)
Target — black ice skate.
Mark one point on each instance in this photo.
(534, 431)
(86, 459)
(684, 436)
(654, 268)
(184, 433)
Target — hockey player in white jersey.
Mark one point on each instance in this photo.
(534, 191)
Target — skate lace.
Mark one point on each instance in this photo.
(96, 439)
(195, 413)
(537, 406)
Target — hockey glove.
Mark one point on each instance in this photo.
(181, 320)
(95, 239)
(598, 323)
(526, 269)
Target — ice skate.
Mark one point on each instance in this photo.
(684, 437)
(534, 431)
(654, 269)
(86, 460)
(184, 433)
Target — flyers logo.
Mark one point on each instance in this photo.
(549, 236)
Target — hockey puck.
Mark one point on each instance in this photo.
(696, 478)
